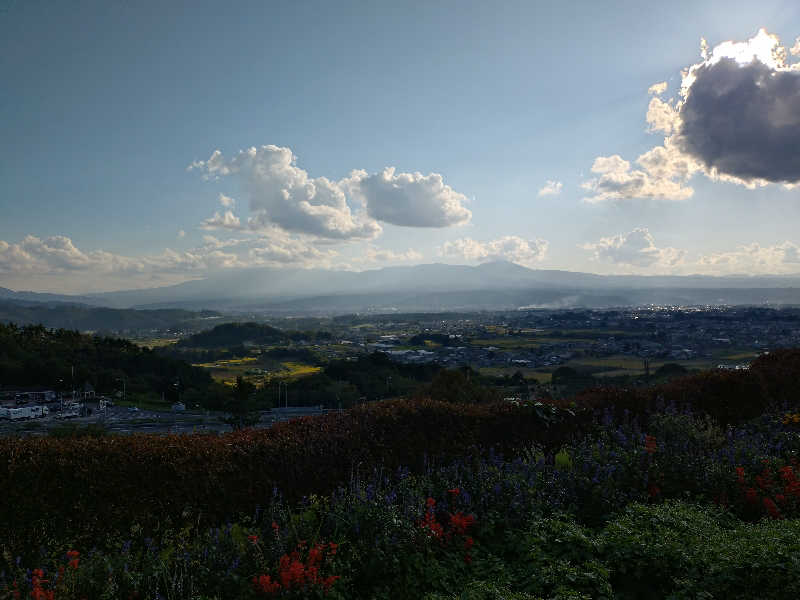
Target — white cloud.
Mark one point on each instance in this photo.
(227, 201)
(284, 195)
(510, 247)
(409, 199)
(373, 254)
(618, 181)
(551, 188)
(181, 234)
(662, 116)
(636, 248)
(226, 220)
(56, 263)
(752, 258)
(657, 88)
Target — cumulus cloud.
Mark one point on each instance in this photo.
(736, 119)
(740, 113)
(373, 254)
(409, 199)
(510, 247)
(284, 195)
(752, 258)
(227, 201)
(181, 234)
(58, 258)
(226, 220)
(617, 180)
(551, 188)
(636, 248)
(661, 116)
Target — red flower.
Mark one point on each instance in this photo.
(787, 473)
(430, 502)
(332, 548)
(468, 543)
(649, 444)
(740, 474)
(454, 491)
(275, 527)
(752, 495)
(265, 584)
(253, 539)
(653, 490)
(772, 509)
(329, 581)
(461, 522)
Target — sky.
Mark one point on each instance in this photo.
(148, 143)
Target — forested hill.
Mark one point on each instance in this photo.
(35, 356)
(90, 318)
(231, 335)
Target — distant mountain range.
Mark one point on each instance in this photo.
(495, 285)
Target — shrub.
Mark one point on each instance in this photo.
(679, 550)
(90, 484)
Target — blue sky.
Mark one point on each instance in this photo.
(104, 105)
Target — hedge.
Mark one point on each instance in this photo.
(108, 483)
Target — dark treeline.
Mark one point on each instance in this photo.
(232, 335)
(60, 359)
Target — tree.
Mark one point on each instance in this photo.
(241, 406)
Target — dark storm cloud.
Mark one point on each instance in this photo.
(744, 120)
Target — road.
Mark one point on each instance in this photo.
(124, 420)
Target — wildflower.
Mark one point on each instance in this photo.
(275, 527)
(430, 502)
(253, 539)
(468, 543)
(772, 509)
(454, 491)
(332, 548)
(649, 444)
(787, 473)
(460, 522)
(265, 584)
(740, 474)
(751, 495)
(329, 581)
(653, 490)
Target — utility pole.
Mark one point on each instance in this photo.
(123, 387)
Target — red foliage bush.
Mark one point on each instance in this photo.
(96, 484)
(730, 397)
